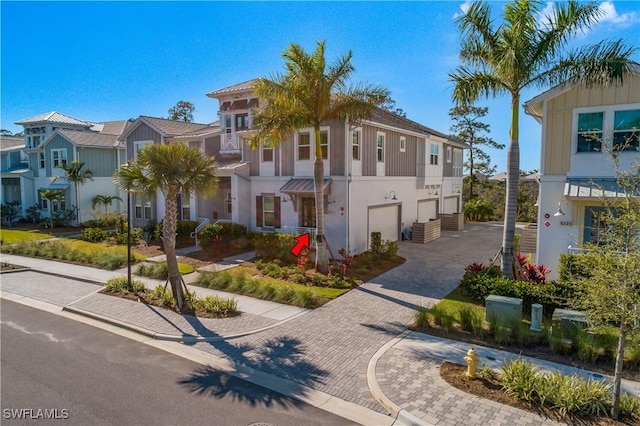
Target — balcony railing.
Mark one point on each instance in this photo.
(231, 143)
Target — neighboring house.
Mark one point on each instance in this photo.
(578, 124)
(382, 175)
(206, 137)
(14, 165)
(53, 140)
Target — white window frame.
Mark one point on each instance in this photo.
(632, 129)
(434, 154)
(380, 137)
(141, 206)
(449, 154)
(457, 162)
(298, 146)
(403, 144)
(42, 162)
(608, 126)
(63, 158)
(355, 144)
(139, 146)
(264, 148)
(324, 131)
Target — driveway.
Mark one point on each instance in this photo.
(329, 348)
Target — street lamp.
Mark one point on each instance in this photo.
(129, 239)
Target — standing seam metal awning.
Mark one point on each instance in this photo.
(593, 188)
(57, 186)
(303, 186)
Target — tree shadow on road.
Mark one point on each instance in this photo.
(283, 357)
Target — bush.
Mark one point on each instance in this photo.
(421, 318)
(274, 246)
(442, 317)
(478, 210)
(160, 271)
(574, 266)
(382, 249)
(94, 235)
(520, 379)
(629, 406)
(216, 305)
(120, 236)
(120, 285)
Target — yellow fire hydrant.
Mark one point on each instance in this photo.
(472, 363)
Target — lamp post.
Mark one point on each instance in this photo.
(129, 239)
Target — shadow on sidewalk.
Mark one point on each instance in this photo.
(283, 357)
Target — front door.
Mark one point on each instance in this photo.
(308, 213)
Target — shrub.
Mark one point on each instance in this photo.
(160, 271)
(574, 266)
(502, 334)
(629, 406)
(119, 237)
(274, 246)
(376, 246)
(94, 235)
(520, 379)
(421, 318)
(120, 284)
(216, 305)
(466, 314)
(442, 317)
(479, 210)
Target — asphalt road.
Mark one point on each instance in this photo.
(85, 375)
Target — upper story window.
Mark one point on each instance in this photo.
(304, 146)
(267, 153)
(457, 163)
(227, 123)
(449, 154)
(59, 157)
(433, 157)
(242, 122)
(626, 130)
(139, 146)
(403, 144)
(590, 127)
(355, 144)
(41, 160)
(324, 144)
(380, 146)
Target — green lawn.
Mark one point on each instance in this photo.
(11, 236)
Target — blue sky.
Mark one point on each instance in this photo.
(103, 61)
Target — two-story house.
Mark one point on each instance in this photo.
(382, 175)
(52, 140)
(579, 126)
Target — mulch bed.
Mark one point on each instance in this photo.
(491, 389)
(144, 298)
(533, 351)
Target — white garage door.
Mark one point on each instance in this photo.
(451, 205)
(385, 220)
(427, 209)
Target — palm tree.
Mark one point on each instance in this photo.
(173, 169)
(105, 200)
(75, 174)
(521, 53)
(51, 195)
(307, 95)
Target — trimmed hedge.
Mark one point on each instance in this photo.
(274, 246)
(208, 233)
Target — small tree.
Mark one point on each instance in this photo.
(182, 111)
(51, 195)
(105, 200)
(611, 292)
(470, 129)
(10, 212)
(76, 174)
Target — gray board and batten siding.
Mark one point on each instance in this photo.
(142, 133)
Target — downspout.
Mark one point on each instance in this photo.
(348, 167)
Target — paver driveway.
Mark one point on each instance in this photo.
(329, 348)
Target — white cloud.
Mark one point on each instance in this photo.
(464, 8)
(611, 15)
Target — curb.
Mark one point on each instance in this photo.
(62, 275)
(324, 401)
(403, 417)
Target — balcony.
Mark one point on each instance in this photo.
(231, 143)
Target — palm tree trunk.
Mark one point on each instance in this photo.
(169, 241)
(77, 204)
(322, 261)
(617, 375)
(471, 177)
(511, 199)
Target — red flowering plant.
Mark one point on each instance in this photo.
(475, 267)
(532, 272)
(303, 259)
(347, 260)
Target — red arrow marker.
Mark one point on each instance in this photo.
(302, 242)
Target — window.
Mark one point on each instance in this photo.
(403, 144)
(355, 144)
(457, 163)
(186, 211)
(142, 206)
(324, 144)
(267, 153)
(227, 123)
(308, 212)
(268, 211)
(595, 225)
(242, 122)
(433, 158)
(41, 160)
(380, 147)
(36, 141)
(59, 157)
(304, 146)
(139, 146)
(590, 127)
(449, 154)
(626, 130)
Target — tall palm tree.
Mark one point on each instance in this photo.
(173, 169)
(522, 52)
(105, 200)
(75, 174)
(310, 94)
